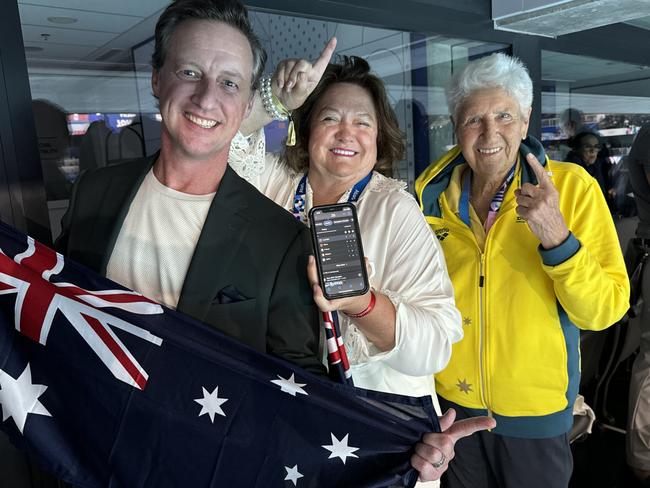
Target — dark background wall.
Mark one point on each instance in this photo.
(22, 195)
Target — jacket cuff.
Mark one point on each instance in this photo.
(559, 254)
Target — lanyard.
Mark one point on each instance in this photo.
(497, 199)
(299, 198)
(339, 367)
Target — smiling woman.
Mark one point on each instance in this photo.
(534, 257)
(490, 125)
(401, 331)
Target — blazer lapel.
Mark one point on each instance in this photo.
(223, 233)
(121, 192)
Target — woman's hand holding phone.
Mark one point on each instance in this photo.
(351, 305)
(378, 326)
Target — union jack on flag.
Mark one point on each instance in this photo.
(107, 388)
(29, 274)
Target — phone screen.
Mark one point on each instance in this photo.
(339, 251)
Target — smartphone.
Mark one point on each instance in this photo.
(338, 250)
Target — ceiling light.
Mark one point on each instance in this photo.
(62, 20)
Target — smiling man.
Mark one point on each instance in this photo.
(181, 227)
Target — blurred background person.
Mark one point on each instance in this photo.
(586, 152)
(572, 121)
(54, 144)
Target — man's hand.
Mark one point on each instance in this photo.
(436, 447)
(540, 207)
(295, 79)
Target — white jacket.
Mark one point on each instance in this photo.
(408, 267)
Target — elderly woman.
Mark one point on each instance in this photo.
(533, 256)
(399, 333)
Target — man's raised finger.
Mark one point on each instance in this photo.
(467, 427)
(447, 419)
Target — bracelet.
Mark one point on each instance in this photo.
(273, 106)
(276, 109)
(367, 310)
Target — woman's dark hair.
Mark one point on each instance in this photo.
(230, 12)
(354, 70)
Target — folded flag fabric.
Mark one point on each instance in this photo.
(338, 365)
(109, 389)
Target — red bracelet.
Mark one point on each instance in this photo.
(367, 310)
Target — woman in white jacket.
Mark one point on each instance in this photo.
(399, 333)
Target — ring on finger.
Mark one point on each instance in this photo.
(438, 464)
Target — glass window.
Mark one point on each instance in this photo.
(86, 103)
(90, 80)
(414, 67)
(609, 99)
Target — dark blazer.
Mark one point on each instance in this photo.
(247, 277)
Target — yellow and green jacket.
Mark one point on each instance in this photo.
(523, 306)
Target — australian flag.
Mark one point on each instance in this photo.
(109, 389)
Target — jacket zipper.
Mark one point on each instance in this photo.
(481, 284)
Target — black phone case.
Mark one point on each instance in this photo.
(331, 208)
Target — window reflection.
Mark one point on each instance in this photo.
(90, 80)
(609, 99)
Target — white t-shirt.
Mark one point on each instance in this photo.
(157, 240)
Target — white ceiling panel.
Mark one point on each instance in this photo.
(32, 33)
(86, 20)
(571, 67)
(139, 8)
(54, 51)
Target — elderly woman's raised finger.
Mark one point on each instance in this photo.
(527, 190)
(525, 201)
(542, 176)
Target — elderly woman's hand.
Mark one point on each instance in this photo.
(295, 79)
(433, 454)
(539, 206)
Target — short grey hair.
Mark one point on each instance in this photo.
(497, 70)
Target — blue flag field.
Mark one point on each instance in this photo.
(105, 388)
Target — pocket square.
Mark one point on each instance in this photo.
(229, 294)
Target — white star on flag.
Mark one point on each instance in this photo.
(292, 474)
(211, 403)
(19, 397)
(340, 448)
(289, 385)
